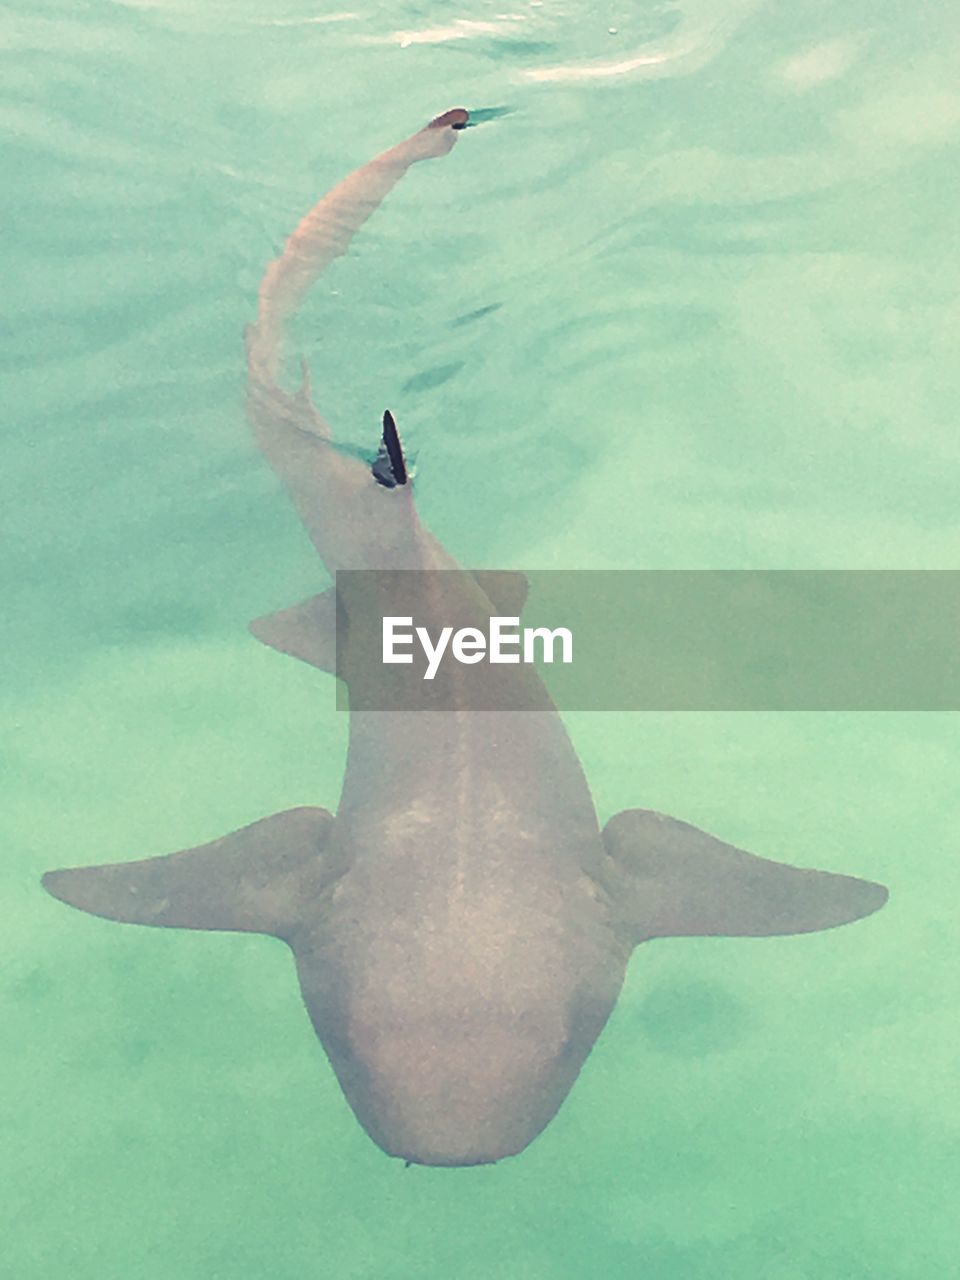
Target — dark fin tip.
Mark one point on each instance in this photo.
(390, 466)
(455, 118)
(483, 115)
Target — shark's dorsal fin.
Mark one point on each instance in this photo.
(669, 879)
(307, 630)
(389, 468)
(256, 880)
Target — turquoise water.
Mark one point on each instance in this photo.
(692, 303)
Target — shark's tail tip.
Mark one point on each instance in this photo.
(455, 118)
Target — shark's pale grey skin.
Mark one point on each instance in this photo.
(462, 927)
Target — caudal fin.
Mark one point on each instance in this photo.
(326, 231)
(670, 879)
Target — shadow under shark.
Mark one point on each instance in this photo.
(462, 927)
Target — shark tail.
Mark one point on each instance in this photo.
(253, 881)
(325, 233)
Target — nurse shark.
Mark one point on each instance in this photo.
(462, 927)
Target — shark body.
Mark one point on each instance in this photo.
(462, 927)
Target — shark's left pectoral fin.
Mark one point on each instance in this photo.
(307, 631)
(255, 880)
(669, 879)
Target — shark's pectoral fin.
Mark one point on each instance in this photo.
(671, 880)
(255, 880)
(506, 589)
(307, 631)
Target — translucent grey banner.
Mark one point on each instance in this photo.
(685, 640)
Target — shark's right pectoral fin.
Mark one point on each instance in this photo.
(255, 880)
(669, 879)
(307, 631)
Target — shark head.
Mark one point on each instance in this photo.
(469, 1089)
(455, 1040)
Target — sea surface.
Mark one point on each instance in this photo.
(689, 300)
